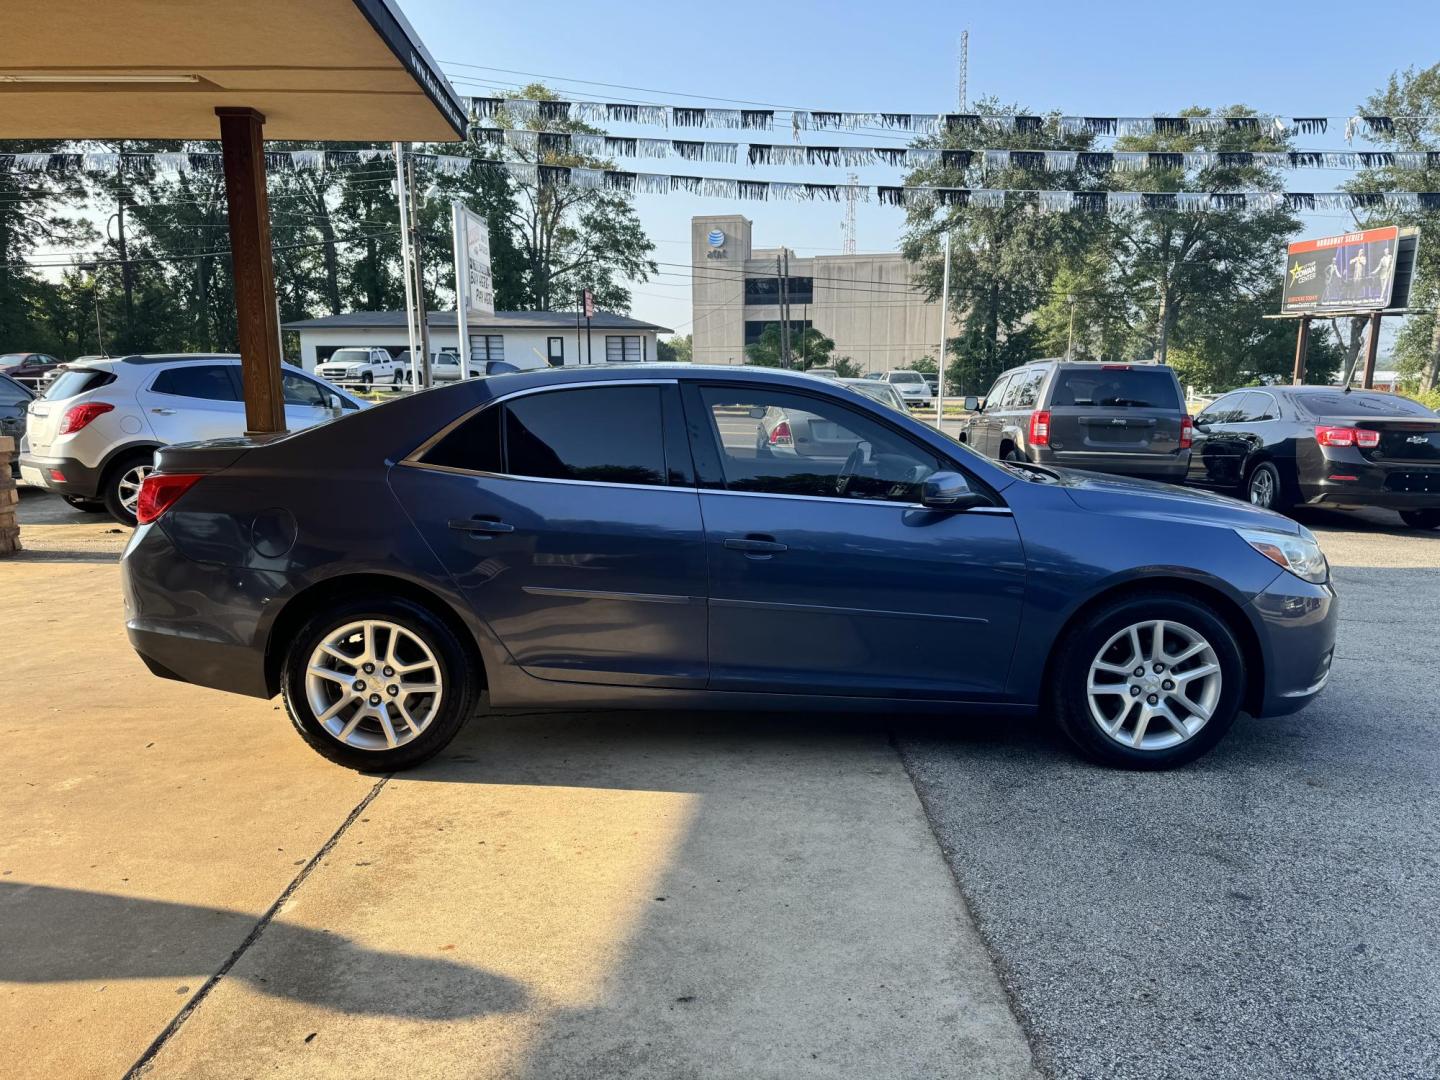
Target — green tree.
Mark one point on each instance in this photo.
(809, 348)
(677, 350)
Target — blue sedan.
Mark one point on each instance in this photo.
(651, 537)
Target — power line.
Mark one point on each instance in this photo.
(196, 255)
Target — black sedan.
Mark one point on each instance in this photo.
(1284, 446)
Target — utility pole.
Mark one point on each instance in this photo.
(421, 320)
(852, 193)
(963, 91)
(1070, 339)
(402, 204)
(784, 314)
(944, 335)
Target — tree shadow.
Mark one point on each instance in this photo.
(56, 935)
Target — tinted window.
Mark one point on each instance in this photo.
(350, 356)
(1253, 408)
(1360, 403)
(473, 446)
(792, 444)
(69, 383)
(997, 392)
(1025, 389)
(12, 393)
(1123, 388)
(1222, 411)
(609, 433)
(905, 377)
(12, 360)
(211, 382)
(299, 390)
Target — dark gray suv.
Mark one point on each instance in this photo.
(1115, 418)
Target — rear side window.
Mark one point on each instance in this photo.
(1116, 388)
(610, 434)
(209, 382)
(1360, 403)
(78, 381)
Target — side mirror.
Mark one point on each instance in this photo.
(972, 404)
(950, 491)
(758, 412)
(333, 403)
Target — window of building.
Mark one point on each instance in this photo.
(487, 347)
(210, 382)
(611, 434)
(766, 290)
(623, 349)
(783, 443)
(755, 328)
(555, 351)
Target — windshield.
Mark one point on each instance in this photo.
(10, 360)
(1123, 388)
(905, 377)
(350, 356)
(1360, 403)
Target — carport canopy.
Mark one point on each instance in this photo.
(336, 70)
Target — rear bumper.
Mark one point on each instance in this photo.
(64, 475)
(1391, 487)
(1297, 623)
(191, 623)
(1170, 468)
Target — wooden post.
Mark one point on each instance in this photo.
(1302, 345)
(1372, 349)
(243, 152)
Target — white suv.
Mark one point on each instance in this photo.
(368, 367)
(92, 436)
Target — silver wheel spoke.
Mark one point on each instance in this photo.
(1187, 653)
(405, 715)
(1173, 720)
(419, 688)
(1118, 689)
(1157, 642)
(384, 714)
(340, 703)
(333, 675)
(343, 657)
(1140, 725)
(1196, 673)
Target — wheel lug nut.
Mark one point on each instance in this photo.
(389, 672)
(359, 686)
(392, 690)
(374, 699)
(1134, 691)
(1139, 671)
(369, 669)
(1168, 685)
(1159, 668)
(1153, 700)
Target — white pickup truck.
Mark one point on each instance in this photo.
(366, 367)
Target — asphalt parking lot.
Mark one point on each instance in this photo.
(185, 888)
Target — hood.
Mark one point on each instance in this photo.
(1102, 493)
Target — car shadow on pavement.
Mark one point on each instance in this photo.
(57, 935)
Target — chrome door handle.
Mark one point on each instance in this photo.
(754, 545)
(481, 525)
(163, 412)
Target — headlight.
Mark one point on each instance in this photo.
(1301, 555)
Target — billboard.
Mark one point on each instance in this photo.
(1351, 272)
(472, 261)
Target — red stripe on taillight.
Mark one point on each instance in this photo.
(1328, 435)
(780, 436)
(158, 493)
(77, 416)
(1187, 432)
(1040, 427)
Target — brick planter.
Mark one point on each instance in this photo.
(9, 498)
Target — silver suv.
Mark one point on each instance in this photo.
(92, 436)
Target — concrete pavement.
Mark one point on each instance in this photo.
(184, 886)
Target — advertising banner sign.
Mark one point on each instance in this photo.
(1351, 272)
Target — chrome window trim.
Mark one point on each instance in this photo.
(1005, 510)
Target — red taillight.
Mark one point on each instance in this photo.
(158, 493)
(780, 434)
(1329, 435)
(1187, 432)
(1040, 428)
(77, 416)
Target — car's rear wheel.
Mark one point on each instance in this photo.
(1263, 488)
(378, 685)
(120, 489)
(1421, 519)
(1150, 681)
(87, 506)
(399, 379)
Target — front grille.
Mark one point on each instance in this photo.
(1414, 481)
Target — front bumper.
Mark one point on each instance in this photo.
(63, 475)
(1297, 624)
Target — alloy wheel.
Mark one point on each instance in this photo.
(373, 685)
(129, 486)
(1154, 685)
(1262, 488)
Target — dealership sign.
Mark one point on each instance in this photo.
(1351, 272)
(473, 279)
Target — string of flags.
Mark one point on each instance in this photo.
(606, 146)
(526, 111)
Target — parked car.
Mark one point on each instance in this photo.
(444, 368)
(1283, 446)
(910, 385)
(14, 398)
(1115, 418)
(26, 367)
(882, 392)
(593, 537)
(93, 436)
(365, 367)
(932, 380)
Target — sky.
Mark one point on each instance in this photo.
(1128, 59)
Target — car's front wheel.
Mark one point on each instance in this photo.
(1421, 519)
(1149, 681)
(378, 685)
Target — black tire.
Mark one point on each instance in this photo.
(1080, 648)
(86, 506)
(110, 493)
(1421, 519)
(1263, 478)
(398, 379)
(461, 680)
(366, 378)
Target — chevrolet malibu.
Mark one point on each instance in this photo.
(618, 537)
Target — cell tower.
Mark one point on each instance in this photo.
(963, 92)
(852, 194)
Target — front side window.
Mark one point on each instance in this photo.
(622, 349)
(299, 390)
(782, 443)
(997, 392)
(209, 382)
(606, 434)
(1223, 411)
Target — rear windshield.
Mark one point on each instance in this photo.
(878, 391)
(1360, 403)
(76, 381)
(1117, 388)
(905, 376)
